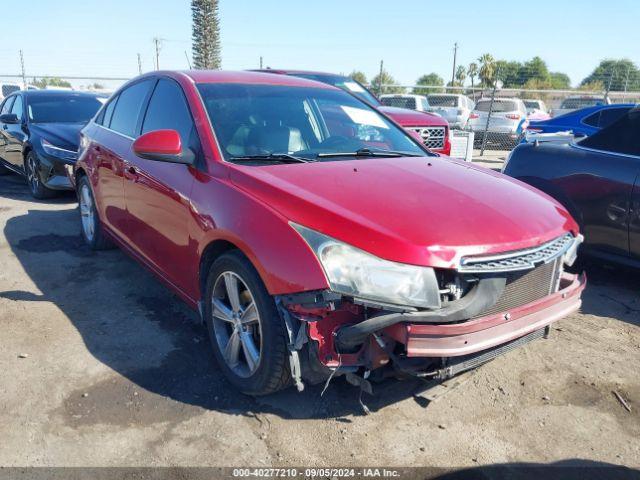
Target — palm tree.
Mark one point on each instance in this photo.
(487, 68)
(461, 75)
(472, 71)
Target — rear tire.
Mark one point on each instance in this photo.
(36, 187)
(90, 225)
(247, 334)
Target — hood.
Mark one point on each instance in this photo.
(413, 118)
(417, 210)
(65, 135)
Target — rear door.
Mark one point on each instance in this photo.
(634, 223)
(4, 128)
(158, 193)
(112, 146)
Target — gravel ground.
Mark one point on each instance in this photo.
(102, 366)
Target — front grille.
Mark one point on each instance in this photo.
(433, 137)
(519, 259)
(525, 287)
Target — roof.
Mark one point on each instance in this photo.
(284, 71)
(258, 78)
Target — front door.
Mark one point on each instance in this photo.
(157, 193)
(15, 135)
(634, 223)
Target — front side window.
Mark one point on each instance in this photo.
(308, 122)
(71, 108)
(622, 136)
(17, 108)
(168, 110)
(127, 109)
(6, 106)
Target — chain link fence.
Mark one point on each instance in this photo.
(498, 117)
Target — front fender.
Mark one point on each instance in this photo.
(221, 211)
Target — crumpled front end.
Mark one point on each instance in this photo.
(489, 305)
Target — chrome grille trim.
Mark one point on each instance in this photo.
(519, 259)
(433, 137)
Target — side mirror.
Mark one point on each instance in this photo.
(10, 118)
(163, 146)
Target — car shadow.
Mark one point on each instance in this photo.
(131, 323)
(611, 291)
(14, 187)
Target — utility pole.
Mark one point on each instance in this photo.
(260, 62)
(380, 77)
(139, 65)
(455, 55)
(156, 41)
(24, 77)
(188, 61)
(626, 81)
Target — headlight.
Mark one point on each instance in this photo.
(59, 152)
(356, 273)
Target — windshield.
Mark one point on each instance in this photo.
(251, 120)
(62, 108)
(498, 106)
(443, 100)
(576, 103)
(345, 83)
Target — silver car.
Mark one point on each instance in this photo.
(508, 120)
(454, 108)
(570, 104)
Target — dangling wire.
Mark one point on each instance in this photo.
(326, 385)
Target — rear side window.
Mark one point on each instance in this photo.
(105, 116)
(127, 109)
(592, 120)
(168, 110)
(607, 117)
(622, 136)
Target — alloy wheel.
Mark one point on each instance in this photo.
(87, 212)
(32, 175)
(237, 325)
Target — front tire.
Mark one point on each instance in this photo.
(36, 187)
(91, 227)
(245, 329)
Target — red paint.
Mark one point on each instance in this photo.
(422, 211)
(160, 142)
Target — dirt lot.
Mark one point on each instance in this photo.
(102, 366)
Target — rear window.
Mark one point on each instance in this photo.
(72, 108)
(400, 102)
(531, 104)
(443, 101)
(498, 106)
(9, 89)
(576, 103)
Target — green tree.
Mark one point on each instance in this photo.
(509, 73)
(472, 71)
(51, 82)
(615, 75)
(560, 81)
(430, 80)
(359, 77)
(534, 69)
(206, 34)
(461, 75)
(487, 69)
(382, 79)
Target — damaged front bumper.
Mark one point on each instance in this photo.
(427, 349)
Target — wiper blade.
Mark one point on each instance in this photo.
(275, 157)
(365, 152)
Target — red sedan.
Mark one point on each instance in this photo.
(314, 235)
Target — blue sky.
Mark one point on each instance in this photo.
(102, 38)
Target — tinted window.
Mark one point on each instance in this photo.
(67, 108)
(400, 102)
(607, 117)
(108, 112)
(623, 136)
(168, 110)
(498, 106)
(592, 120)
(443, 100)
(127, 109)
(6, 107)
(17, 108)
